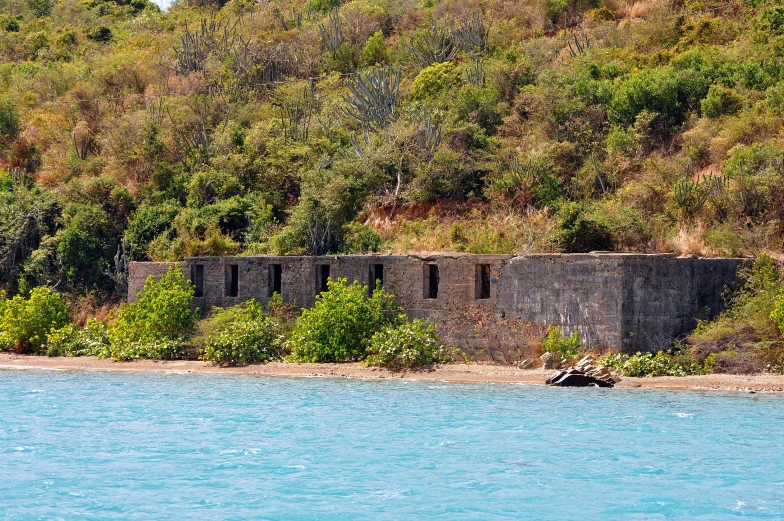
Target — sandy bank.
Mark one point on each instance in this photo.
(458, 373)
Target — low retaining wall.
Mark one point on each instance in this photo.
(629, 302)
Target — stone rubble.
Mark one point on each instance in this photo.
(584, 373)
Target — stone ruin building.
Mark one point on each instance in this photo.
(630, 302)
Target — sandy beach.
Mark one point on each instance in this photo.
(456, 373)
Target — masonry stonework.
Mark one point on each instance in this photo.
(631, 302)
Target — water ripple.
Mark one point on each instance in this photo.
(183, 446)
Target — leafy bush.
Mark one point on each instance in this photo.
(662, 91)
(579, 233)
(242, 335)
(71, 340)
(157, 324)
(374, 51)
(410, 344)
(747, 335)
(433, 80)
(649, 364)
(340, 325)
(555, 343)
(777, 315)
(772, 19)
(9, 122)
(720, 101)
(26, 322)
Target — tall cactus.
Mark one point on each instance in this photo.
(212, 36)
(471, 35)
(295, 116)
(690, 196)
(435, 46)
(429, 136)
(581, 43)
(475, 75)
(374, 97)
(332, 35)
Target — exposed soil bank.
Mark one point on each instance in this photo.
(458, 373)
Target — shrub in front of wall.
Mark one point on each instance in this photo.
(338, 328)
(563, 347)
(156, 326)
(649, 364)
(26, 322)
(71, 340)
(241, 335)
(407, 345)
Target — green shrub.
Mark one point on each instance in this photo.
(9, 122)
(747, 335)
(433, 80)
(577, 232)
(720, 101)
(340, 325)
(777, 315)
(360, 238)
(25, 322)
(71, 340)
(374, 51)
(157, 324)
(664, 92)
(555, 343)
(648, 364)
(772, 19)
(242, 335)
(410, 344)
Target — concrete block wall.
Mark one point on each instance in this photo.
(622, 301)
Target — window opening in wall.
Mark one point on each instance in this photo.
(197, 277)
(275, 280)
(322, 276)
(431, 281)
(232, 280)
(376, 276)
(482, 281)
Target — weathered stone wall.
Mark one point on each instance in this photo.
(623, 301)
(578, 292)
(138, 273)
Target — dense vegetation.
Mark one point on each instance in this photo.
(345, 325)
(315, 126)
(325, 126)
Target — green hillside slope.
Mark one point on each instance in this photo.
(384, 125)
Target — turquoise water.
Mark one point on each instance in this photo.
(180, 446)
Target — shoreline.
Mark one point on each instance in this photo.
(452, 373)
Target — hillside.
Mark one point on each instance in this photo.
(383, 125)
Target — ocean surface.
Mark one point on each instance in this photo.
(77, 445)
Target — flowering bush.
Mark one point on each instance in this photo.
(410, 344)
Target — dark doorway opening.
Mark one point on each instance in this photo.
(232, 280)
(482, 281)
(431, 281)
(322, 276)
(197, 277)
(275, 280)
(375, 277)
